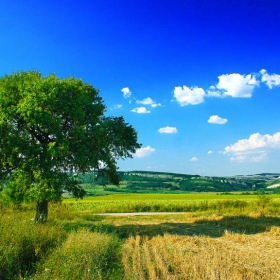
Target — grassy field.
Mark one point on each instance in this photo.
(176, 203)
(217, 237)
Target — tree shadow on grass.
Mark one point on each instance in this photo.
(212, 227)
(93, 224)
(208, 227)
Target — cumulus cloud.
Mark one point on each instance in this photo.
(168, 129)
(140, 110)
(215, 119)
(270, 80)
(189, 96)
(145, 101)
(214, 92)
(194, 159)
(126, 92)
(255, 148)
(235, 85)
(210, 152)
(254, 142)
(148, 101)
(144, 152)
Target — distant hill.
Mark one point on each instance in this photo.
(148, 181)
(139, 180)
(262, 176)
(274, 184)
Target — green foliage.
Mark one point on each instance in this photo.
(50, 127)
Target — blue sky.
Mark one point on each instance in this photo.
(198, 80)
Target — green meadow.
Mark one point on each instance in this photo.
(222, 236)
(191, 202)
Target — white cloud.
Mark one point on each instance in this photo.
(118, 106)
(148, 101)
(140, 110)
(270, 80)
(145, 101)
(234, 85)
(154, 105)
(254, 142)
(168, 129)
(262, 156)
(213, 92)
(144, 152)
(255, 148)
(189, 96)
(210, 152)
(252, 158)
(217, 120)
(194, 159)
(126, 92)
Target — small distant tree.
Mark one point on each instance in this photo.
(52, 128)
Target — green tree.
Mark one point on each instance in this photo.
(51, 128)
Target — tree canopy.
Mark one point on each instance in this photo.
(51, 128)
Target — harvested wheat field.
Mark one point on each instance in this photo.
(230, 257)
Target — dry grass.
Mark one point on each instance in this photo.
(232, 256)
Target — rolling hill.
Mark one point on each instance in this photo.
(144, 181)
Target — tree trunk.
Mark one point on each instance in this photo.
(41, 212)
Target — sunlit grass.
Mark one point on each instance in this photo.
(84, 255)
(172, 203)
(187, 196)
(23, 244)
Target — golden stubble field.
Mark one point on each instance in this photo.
(202, 248)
